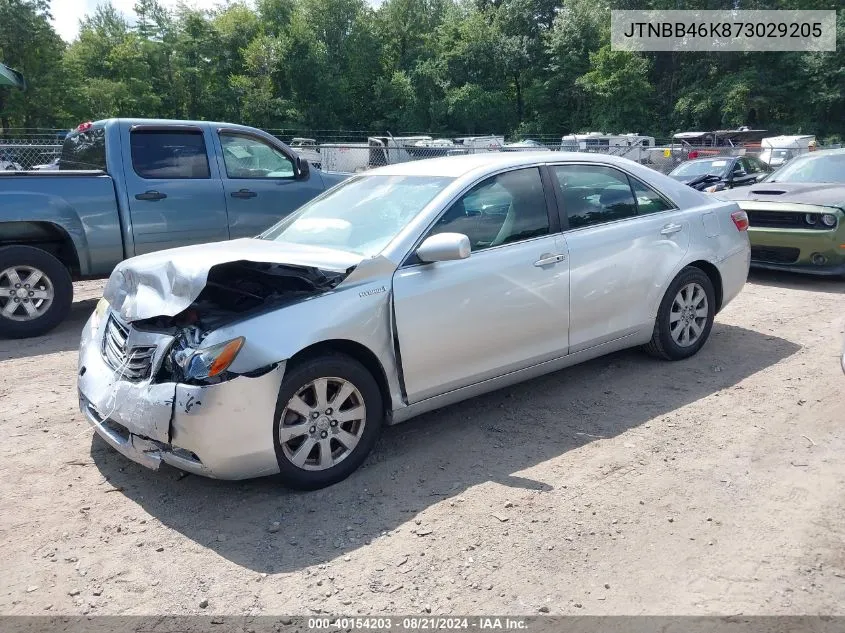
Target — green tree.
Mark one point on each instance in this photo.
(619, 88)
(29, 44)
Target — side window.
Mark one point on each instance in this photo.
(648, 200)
(169, 154)
(594, 194)
(742, 165)
(757, 165)
(503, 209)
(251, 157)
(84, 150)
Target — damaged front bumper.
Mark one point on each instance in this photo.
(224, 430)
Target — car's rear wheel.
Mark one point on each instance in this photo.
(328, 417)
(685, 316)
(36, 292)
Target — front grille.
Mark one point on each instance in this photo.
(774, 254)
(785, 220)
(132, 363)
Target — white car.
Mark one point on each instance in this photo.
(399, 291)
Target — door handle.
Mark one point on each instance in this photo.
(668, 229)
(150, 195)
(243, 193)
(547, 259)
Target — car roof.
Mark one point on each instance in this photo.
(463, 165)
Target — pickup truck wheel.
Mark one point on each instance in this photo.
(328, 417)
(36, 292)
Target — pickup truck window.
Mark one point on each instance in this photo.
(169, 154)
(249, 157)
(84, 150)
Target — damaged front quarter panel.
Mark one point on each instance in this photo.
(227, 426)
(222, 426)
(222, 430)
(356, 311)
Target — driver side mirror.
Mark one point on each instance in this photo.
(302, 168)
(444, 247)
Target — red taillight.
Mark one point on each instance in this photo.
(740, 219)
(84, 127)
(693, 155)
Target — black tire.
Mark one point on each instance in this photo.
(298, 377)
(59, 279)
(662, 344)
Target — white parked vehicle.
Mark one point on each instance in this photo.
(480, 144)
(400, 291)
(779, 149)
(307, 148)
(8, 162)
(527, 145)
(631, 146)
(345, 157)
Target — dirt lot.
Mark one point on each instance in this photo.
(622, 486)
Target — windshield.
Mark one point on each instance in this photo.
(777, 155)
(714, 167)
(361, 216)
(809, 168)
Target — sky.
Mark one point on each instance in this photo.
(67, 13)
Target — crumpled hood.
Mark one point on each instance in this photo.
(165, 283)
(821, 194)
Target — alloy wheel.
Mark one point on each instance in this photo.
(322, 423)
(26, 293)
(688, 315)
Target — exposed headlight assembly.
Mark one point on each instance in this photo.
(99, 313)
(828, 219)
(208, 362)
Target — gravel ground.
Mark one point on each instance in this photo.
(622, 486)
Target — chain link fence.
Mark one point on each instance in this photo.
(18, 154)
(356, 151)
(358, 157)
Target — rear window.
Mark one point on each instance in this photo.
(169, 154)
(84, 150)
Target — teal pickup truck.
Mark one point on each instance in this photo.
(125, 187)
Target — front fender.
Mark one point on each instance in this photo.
(356, 312)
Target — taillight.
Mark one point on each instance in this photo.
(740, 219)
(693, 155)
(84, 127)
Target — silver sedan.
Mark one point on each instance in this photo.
(397, 292)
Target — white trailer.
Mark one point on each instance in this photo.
(480, 144)
(779, 149)
(632, 146)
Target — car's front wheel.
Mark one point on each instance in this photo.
(328, 417)
(685, 316)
